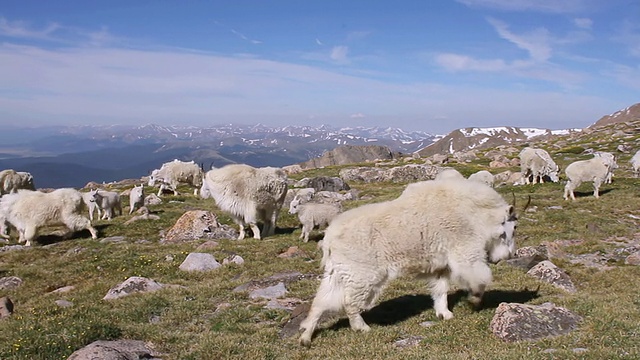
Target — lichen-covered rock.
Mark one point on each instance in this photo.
(198, 224)
(516, 322)
(550, 273)
(116, 350)
(10, 282)
(134, 284)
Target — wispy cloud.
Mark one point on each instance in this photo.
(357, 116)
(241, 36)
(535, 42)
(583, 23)
(20, 29)
(549, 6)
(339, 53)
(629, 35)
(319, 42)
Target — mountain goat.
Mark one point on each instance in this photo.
(482, 176)
(610, 160)
(28, 211)
(108, 201)
(313, 214)
(11, 181)
(440, 231)
(635, 163)
(136, 198)
(250, 195)
(537, 163)
(595, 169)
(175, 172)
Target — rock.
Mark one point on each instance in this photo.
(427, 324)
(526, 262)
(271, 292)
(113, 239)
(13, 247)
(351, 154)
(633, 259)
(293, 252)
(116, 350)
(406, 173)
(516, 322)
(287, 304)
(64, 289)
(6, 307)
(134, 284)
(498, 164)
(550, 273)
(10, 283)
(440, 159)
(64, 303)
(527, 251)
(152, 199)
(233, 259)
(198, 224)
(286, 277)
(199, 262)
(324, 183)
(409, 342)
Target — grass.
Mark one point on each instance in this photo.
(183, 323)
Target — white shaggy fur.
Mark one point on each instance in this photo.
(440, 231)
(250, 195)
(89, 199)
(136, 198)
(175, 172)
(313, 214)
(537, 163)
(595, 169)
(11, 181)
(610, 160)
(482, 176)
(109, 202)
(449, 174)
(635, 163)
(28, 211)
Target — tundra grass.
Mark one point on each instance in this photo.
(188, 322)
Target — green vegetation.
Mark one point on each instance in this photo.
(183, 323)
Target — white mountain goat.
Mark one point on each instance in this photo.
(136, 198)
(313, 214)
(595, 169)
(440, 231)
(89, 199)
(109, 202)
(250, 195)
(175, 172)
(11, 181)
(482, 176)
(449, 174)
(28, 211)
(635, 163)
(610, 160)
(537, 163)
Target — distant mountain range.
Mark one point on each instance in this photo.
(60, 156)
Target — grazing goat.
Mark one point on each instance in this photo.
(175, 172)
(28, 211)
(250, 195)
(440, 231)
(537, 163)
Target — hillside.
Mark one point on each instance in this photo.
(202, 317)
(628, 114)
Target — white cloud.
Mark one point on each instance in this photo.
(629, 35)
(339, 53)
(357, 116)
(455, 62)
(549, 6)
(319, 42)
(20, 29)
(583, 23)
(536, 42)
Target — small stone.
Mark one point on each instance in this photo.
(64, 289)
(270, 292)
(633, 259)
(199, 262)
(427, 324)
(10, 283)
(64, 303)
(408, 342)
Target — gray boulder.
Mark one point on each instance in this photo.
(115, 350)
(515, 322)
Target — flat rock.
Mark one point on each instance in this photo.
(271, 292)
(116, 350)
(515, 322)
(134, 284)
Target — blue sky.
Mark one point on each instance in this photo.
(431, 65)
